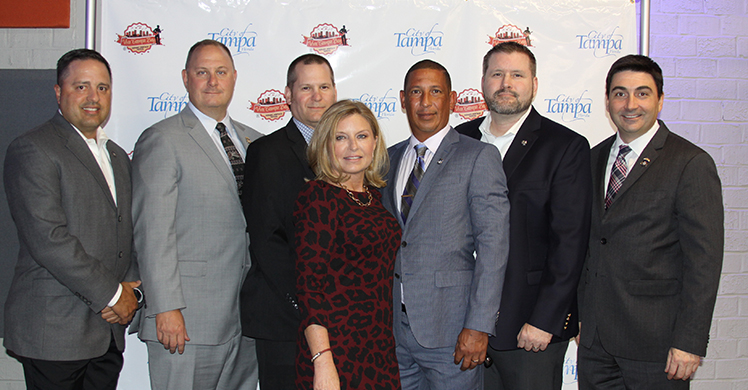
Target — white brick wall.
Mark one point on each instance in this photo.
(39, 48)
(702, 47)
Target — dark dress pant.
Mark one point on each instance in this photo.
(99, 373)
(518, 369)
(276, 362)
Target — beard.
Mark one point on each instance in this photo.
(508, 107)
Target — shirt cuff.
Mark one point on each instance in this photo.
(116, 296)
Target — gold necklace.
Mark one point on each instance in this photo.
(355, 198)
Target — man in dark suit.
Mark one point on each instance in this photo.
(550, 190)
(68, 189)
(452, 205)
(275, 171)
(655, 252)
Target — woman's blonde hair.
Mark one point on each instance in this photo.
(320, 151)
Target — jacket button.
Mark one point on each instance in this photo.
(397, 276)
(603, 241)
(119, 218)
(120, 254)
(403, 244)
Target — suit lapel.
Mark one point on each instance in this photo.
(390, 192)
(82, 152)
(522, 143)
(298, 145)
(196, 130)
(433, 172)
(600, 177)
(120, 172)
(648, 156)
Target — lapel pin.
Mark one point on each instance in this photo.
(248, 140)
(440, 161)
(645, 162)
(524, 142)
(114, 154)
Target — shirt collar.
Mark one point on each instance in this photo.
(100, 139)
(485, 126)
(208, 122)
(433, 142)
(638, 145)
(305, 130)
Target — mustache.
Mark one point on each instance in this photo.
(504, 90)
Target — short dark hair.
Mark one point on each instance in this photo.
(306, 59)
(635, 63)
(427, 64)
(207, 42)
(78, 55)
(508, 48)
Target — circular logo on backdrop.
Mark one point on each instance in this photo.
(510, 32)
(271, 105)
(326, 38)
(139, 37)
(470, 104)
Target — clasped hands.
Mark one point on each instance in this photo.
(122, 311)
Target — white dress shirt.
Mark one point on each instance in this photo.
(505, 141)
(637, 147)
(210, 126)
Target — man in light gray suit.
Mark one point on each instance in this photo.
(190, 233)
(449, 193)
(69, 193)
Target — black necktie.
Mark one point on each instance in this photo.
(237, 165)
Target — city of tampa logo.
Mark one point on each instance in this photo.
(601, 44)
(325, 38)
(271, 105)
(570, 108)
(470, 104)
(238, 41)
(139, 37)
(383, 107)
(420, 42)
(511, 33)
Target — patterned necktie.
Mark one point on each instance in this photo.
(414, 180)
(617, 175)
(237, 165)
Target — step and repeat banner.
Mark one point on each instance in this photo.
(370, 45)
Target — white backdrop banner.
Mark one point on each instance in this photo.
(370, 44)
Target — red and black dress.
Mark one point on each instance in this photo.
(345, 260)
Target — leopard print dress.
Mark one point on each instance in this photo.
(345, 261)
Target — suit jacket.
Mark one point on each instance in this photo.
(550, 193)
(75, 244)
(189, 229)
(461, 207)
(274, 174)
(655, 255)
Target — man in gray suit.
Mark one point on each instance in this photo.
(68, 189)
(190, 233)
(655, 252)
(449, 194)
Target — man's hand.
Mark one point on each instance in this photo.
(681, 364)
(533, 339)
(109, 315)
(127, 304)
(171, 331)
(471, 348)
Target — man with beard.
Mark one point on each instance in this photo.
(547, 170)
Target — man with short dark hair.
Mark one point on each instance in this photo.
(655, 251)
(68, 189)
(550, 191)
(452, 205)
(276, 170)
(190, 233)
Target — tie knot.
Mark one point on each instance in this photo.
(221, 127)
(421, 150)
(624, 150)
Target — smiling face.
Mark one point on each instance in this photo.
(353, 145)
(428, 101)
(85, 96)
(508, 84)
(210, 78)
(312, 93)
(633, 103)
